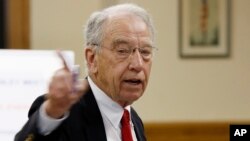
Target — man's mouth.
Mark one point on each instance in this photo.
(133, 81)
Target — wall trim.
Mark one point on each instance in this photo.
(189, 131)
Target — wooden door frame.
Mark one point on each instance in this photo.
(18, 24)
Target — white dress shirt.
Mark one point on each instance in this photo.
(111, 114)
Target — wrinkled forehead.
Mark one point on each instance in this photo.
(127, 25)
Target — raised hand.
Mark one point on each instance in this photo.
(64, 91)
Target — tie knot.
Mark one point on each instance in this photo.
(125, 117)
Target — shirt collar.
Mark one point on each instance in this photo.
(109, 108)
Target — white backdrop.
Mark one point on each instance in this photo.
(24, 75)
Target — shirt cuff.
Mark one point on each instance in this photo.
(47, 124)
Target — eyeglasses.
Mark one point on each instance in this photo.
(124, 51)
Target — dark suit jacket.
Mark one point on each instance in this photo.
(84, 123)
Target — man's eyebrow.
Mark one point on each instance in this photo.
(120, 41)
(145, 43)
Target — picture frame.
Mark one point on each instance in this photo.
(204, 28)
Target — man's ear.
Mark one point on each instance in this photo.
(91, 56)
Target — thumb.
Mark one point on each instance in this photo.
(82, 87)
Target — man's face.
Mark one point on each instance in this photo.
(124, 79)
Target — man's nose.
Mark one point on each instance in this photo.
(136, 61)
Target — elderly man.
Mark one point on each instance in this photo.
(119, 50)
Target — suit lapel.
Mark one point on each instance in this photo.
(138, 126)
(94, 122)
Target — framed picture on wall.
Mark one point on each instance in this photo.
(204, 28)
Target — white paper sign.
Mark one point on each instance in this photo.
(24, 75)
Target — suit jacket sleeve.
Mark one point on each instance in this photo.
(30, 132)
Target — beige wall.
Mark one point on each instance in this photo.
(179, 89)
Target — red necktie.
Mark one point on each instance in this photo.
(126, 129)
